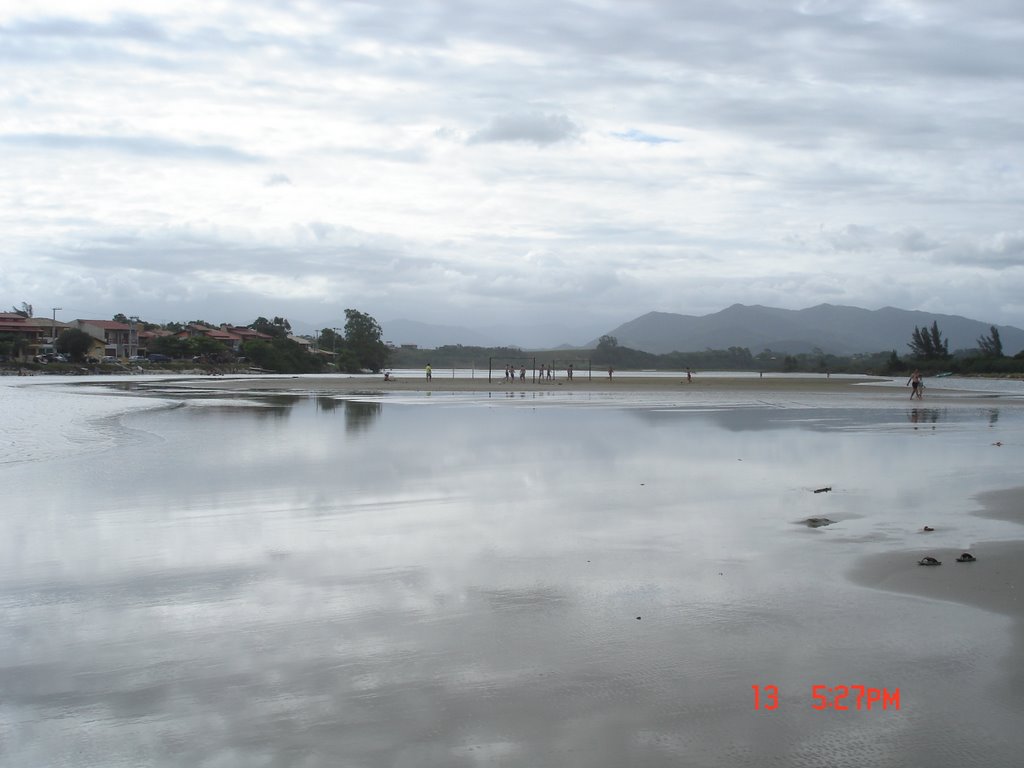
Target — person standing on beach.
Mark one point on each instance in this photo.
(540, 376)
(428, 371)
(610, 372)
(916, 385)
(568, 372)
(522, 373)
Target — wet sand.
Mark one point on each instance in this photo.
(625, 384)
(995, 582)
(846, 389)
(322, 590)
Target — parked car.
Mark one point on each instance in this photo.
(138, 358)
(109, 359)
(158, 358)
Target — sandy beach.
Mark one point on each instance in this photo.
(622, 383)
(599, 383)
(995, 582)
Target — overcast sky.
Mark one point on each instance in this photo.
(497, 163)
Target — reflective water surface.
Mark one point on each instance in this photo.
(302, 580)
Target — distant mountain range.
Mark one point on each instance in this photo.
(830, 328)
(525, 336)
(834, 329)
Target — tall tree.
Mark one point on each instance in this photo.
(278, 328)
(74, 343)
(171, 346)
(331, 341)
(211, 349)
(928, 344)
(12, 344)
(363, 338)
(991, 345)
(25, 311)
(940, 345)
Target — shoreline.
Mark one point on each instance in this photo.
(852, 388)
(994, 583)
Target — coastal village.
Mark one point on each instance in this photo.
(117, 342)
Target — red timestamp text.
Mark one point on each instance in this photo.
(841, 698)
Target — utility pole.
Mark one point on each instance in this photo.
(133, 336)
(53, 329)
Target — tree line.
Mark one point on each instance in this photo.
(928, 351)
(358, 348)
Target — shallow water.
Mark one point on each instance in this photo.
(301, 580)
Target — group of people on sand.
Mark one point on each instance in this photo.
(544, 373)
(916, 384)
(510, 372)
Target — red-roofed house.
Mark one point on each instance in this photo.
(24, 330)
(230, 336)
(117, 339)
(245, 334)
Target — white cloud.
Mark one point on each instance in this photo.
(532, 128)
(531, 161)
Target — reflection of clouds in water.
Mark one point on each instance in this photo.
(460, 584)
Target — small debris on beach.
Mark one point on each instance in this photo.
(997, 443)
(927, 529)
(817, 522)
(966, 557)
(929, 561)
(826, 489)
(638, 618)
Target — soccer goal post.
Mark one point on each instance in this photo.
(572, 366)
(517, 366)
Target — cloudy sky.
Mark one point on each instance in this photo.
(482, 164)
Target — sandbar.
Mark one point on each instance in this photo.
(844, 388)
(995, 582)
